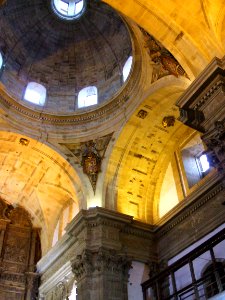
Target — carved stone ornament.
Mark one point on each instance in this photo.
(110, 261)
(142, 114)
(91, 162)
(89, 155)
(83, 264)
(104, 260)
(24, 142)
(168, 121)
(163, 61)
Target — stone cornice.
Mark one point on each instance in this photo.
(125, 225)
(61, 247)
(217, 66)
(101, 216)
(64, 272)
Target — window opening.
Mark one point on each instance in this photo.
(35, 93)
(194, 160)
(203, 163)
(88, 96)
(213, 275)
(1, 61)
(127, 68)
(68, 9)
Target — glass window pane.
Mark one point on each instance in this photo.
(87, 97)
(1, 60)
(79, 7)
(127, 68)
(63, 7)
(204, 163)
(35, 93)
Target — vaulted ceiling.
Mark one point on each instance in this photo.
(134, 147)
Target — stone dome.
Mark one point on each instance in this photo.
(63, 56)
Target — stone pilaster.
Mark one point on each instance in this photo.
(101, 275)
(95, 253)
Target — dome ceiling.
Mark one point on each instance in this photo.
(63, 56)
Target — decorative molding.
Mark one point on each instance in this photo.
(102, 113)
(83, 265)
(104, 260)
(164, 63)
(168, 121)
(208, 93)
(89, 155)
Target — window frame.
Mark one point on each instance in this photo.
(35, 88)
(82, 91)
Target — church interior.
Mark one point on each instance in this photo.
(112, 150)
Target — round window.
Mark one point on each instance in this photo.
(68, 9)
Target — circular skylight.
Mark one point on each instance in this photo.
(68, 9)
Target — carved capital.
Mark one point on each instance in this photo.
(83, 264)
(105, 260)
(110, 261)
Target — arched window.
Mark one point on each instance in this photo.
(88, 96)
(35, 93)
(1, 60)
(127, 68)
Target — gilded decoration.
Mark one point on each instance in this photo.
(142, 114)
(91, 162)
(168, 121)
(89, 156)
(19, 251)
(24, 142)
(163, 61)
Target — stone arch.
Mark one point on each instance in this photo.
(176, 32)
(132, 162)
(39, 179)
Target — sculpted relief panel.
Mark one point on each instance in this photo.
(18, 250)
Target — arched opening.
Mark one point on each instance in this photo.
(127, 68)
(1, 61)
(35, 93)
(88, 96)
(214, 279)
